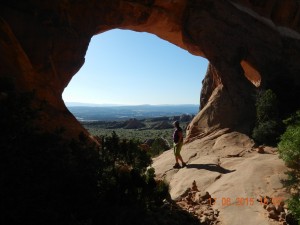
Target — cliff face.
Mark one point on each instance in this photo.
(248, 43)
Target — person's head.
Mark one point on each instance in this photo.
(176, 123)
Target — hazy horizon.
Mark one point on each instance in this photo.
(111, 104)
(85, 112)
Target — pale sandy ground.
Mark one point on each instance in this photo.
(230, 169)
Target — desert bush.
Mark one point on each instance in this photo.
(289, 146)
(158, 146)
(268, 127)
(266, 132)
(44, 178)
(266, 106)
(48, 179)
(289, 151)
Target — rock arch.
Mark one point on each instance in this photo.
(43, 45)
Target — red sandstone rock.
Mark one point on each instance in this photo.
(43, 45)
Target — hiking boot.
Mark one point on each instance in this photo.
(176, 166)
(183, 164)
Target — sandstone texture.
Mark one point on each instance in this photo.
(249, 44)
(227, 166)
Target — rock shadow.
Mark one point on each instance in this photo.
(209, 166)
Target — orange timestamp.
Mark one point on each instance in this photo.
(243, 201)
(275, 200)
(239, 201)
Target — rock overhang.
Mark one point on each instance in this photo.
(43, 45)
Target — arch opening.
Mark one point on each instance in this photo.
(131, 68)
(127, 68)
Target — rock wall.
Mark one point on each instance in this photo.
(43, 44)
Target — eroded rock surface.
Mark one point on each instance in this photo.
(43, 45)
(248, 43)
(228, 167)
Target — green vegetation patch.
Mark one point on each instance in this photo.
(46, 179)
(268, 126)
(289, 151)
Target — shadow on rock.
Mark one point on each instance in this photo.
(210, 167)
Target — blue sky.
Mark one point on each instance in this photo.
(132, 68)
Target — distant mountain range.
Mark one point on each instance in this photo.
(71, 104)
(107, 112)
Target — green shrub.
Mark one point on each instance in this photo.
(289, 151)
(158, 146)
(289, 146)
(266, 106)
(46, 179)
(266, 132)
(294, 206)
(268, 127)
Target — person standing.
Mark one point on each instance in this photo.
(178, 142)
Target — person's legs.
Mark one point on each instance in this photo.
(183, 163)
(177, 149)
(176, 153)
(180, 158)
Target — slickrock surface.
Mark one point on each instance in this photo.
(232, 171)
